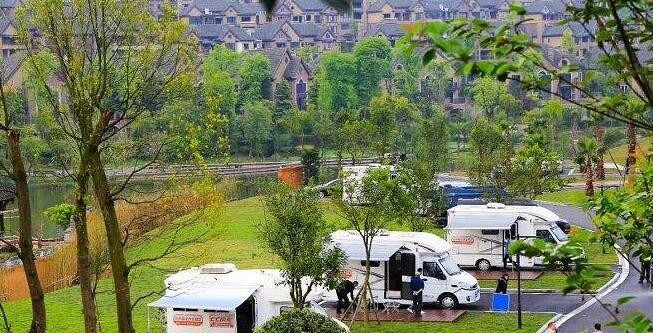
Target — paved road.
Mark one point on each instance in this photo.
(557, 303)
(630, 287)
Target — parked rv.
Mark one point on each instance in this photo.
(395, 256)
(221, 298)
(479, 235)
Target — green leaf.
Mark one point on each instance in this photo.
(517, 9)
(624, 300)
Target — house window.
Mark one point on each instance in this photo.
(231, 20)
(398, 16)
(358, 16)
(300, 89)
(317, 18)
(245, 46)
(309, 18)
(246, 19)
(294, 45)
(386, 16)
(194, 20)
(623, 88)
(218, 20)
(231, 46)
(297, 18)
(280, 45)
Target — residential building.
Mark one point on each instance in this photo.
(289, 67)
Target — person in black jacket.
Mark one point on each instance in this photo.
(417, 287)
(502, 284)
(345, 288)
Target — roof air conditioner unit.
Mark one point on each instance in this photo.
(217, 268)
(495, 205)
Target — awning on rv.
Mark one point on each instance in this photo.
(379, 252)
(206, 299)
(482, 221)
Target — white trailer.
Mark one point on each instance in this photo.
(479, 235)
(395, 256)
(220, 298)
(352, 178)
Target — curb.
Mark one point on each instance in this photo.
(609, 287)
(553, 320)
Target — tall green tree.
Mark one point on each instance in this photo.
(533, 171)
(492, 97)
(336, 80)
(492, 151)
(256, 124)
(587, 150)
(373, 56)
(282, 106)
(135, 62)
(255, 79)
(296, 232)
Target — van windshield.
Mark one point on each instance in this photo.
(560, 235)
(449, 265)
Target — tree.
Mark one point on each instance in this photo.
(336, 82)
(384, 125)
(373, 55)
(534, 171)
(382, 197)
(300, 321)
(255, 79)
(296, 233)
(136, 61)
(256, 124)
(311, 164)
(568, 43)
(282, 106)
(587, 149)
(437, 78)
(13, 166)
(543, 125)
(492, 97)
(432, 142)
(492, 154)
(354, 137)
(406, 74)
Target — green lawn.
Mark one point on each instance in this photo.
(575, 197)
(620, 153)
(478, 322)
(231, 236)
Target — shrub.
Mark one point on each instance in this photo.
(300, 321)
(60, 214)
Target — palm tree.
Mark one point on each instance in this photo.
(632, 150)
(600, 138)
(587, 153)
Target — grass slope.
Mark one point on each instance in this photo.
(229, 235)
(620, 153)
(477, 322)
(575, 197)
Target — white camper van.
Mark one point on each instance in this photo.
(352, 180)
(480, 234)
(221, 298)
(394, 259)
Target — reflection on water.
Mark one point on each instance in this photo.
(45, 195)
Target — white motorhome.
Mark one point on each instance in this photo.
(221, 298)
(395, 256)
(352, 180)
(479, 235)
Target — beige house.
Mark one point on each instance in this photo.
(289, 67)
(284, 34)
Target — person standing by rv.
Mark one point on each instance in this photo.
(417, 287)
(345, 288)
(645, 270)
(502, 284)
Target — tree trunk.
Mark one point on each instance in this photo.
(632, 150)
(119, 267)
(26, 254)
(589, 179)
(600, 170)
(83, 253)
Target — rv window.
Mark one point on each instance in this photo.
(431, 269)
(285, 309)
(184, 310)
(214, 311)
(372, 263)
(545, 235)
(490, 232)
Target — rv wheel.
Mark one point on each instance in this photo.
(448, 301)
(483, 265)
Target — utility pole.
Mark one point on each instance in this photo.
(519, 312)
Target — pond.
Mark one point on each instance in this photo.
(47, 194)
